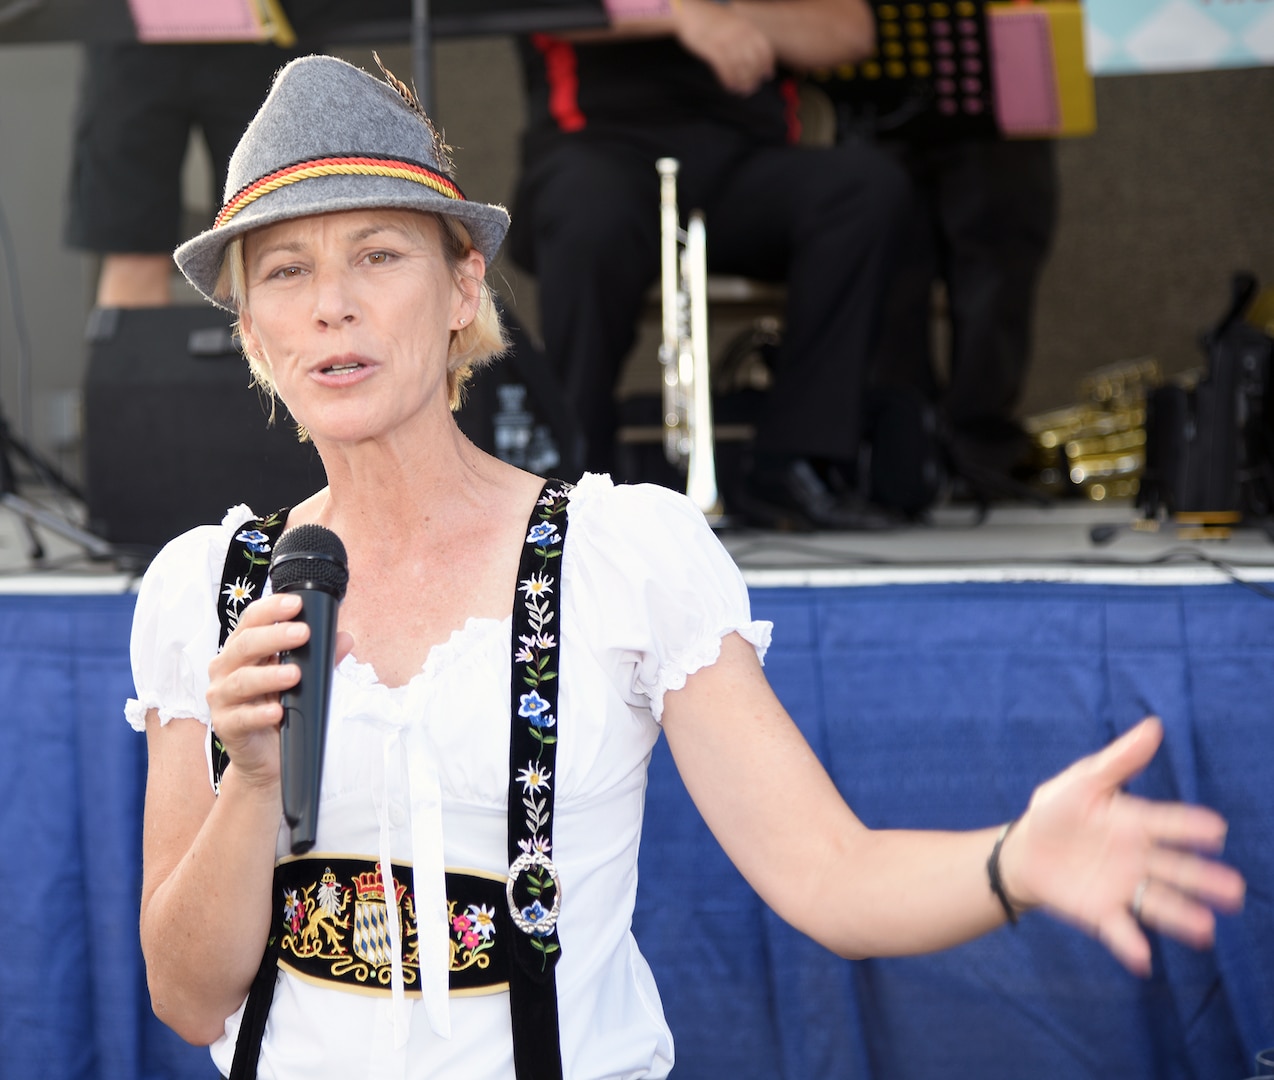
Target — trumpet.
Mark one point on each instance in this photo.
(683, 349)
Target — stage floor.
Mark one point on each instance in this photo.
(1067, 541)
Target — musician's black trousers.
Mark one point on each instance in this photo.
(821, 220)
(982, 222)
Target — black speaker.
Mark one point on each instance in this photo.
(173, 433)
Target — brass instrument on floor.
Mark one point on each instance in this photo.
(1098, 446)
(683, 350)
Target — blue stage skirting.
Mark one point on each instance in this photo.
(937, 705)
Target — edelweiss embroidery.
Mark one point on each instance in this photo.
(472, 936)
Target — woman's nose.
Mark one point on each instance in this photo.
(335, 303)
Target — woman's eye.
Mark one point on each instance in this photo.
(286, 272)
(378, 258)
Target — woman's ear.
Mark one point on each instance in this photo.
(247, 338)
(469, 275)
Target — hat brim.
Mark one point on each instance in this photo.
(200, 258)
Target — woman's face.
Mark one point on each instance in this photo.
(353, 312)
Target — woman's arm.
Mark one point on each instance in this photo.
(1080, 849)
(209, 860)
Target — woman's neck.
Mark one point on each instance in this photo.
(426, 483)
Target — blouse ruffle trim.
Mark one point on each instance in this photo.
(590, 486)
(704, 653)
(135, 713)
(443, 655)
(237, 515)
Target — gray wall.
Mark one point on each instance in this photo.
(1173, 194)
(39, 381)
(1169, 198)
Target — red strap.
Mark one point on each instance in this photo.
(562, 70)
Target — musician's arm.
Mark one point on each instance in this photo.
(802, 34)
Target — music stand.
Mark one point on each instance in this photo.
(31, 514)
(11, 446)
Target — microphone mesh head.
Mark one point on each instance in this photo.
(311, 555)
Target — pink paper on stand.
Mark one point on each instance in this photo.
(1026, 95)
(621, 10)
(195, 20)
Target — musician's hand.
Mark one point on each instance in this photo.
(736, 50)
(1090, 854)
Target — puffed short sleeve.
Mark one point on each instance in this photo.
(654, 585)
(176, 629)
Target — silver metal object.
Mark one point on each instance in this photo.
(537, 927)
(1138, 896)
(683, 350)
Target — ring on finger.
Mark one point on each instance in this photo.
(1138, 897)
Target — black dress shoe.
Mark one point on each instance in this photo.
(800, 497)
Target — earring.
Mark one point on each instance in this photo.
(462, 320)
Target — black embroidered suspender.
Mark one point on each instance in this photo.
(534, 890)
(525, 934)
(242, 581)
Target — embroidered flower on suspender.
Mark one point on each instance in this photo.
(534, 913)
(256, 550)
(537, 845)
(532, 778)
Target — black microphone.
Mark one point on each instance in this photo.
(308, 560)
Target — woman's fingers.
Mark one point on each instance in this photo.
(1202, 880)
(246, 684)
(1124, 758)
(246, 678)
(1172, 912)
(344, 645)
(1181, 825)
(1121, 934)
(265, 627)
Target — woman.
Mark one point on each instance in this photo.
(356, 269)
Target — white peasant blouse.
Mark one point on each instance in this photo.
(418, 774)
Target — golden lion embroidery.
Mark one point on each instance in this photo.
(314, 915)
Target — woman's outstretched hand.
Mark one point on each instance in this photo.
(1113, 864)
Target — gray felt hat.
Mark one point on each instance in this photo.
(329, 137)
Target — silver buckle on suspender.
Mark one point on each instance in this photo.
(534, 919)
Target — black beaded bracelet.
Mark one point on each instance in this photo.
(993, 875)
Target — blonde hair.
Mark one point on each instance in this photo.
(474, 345)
